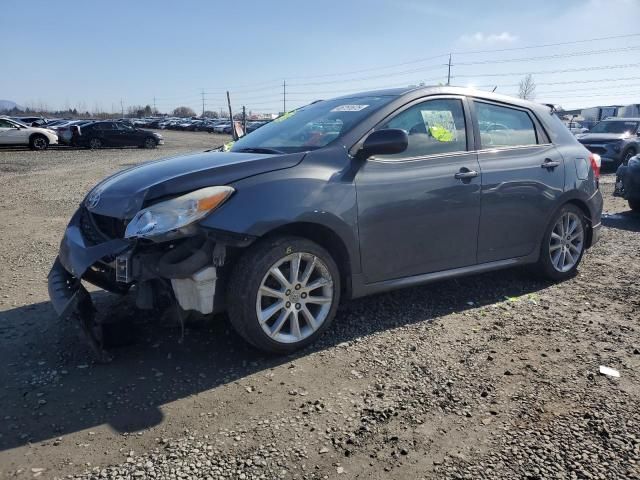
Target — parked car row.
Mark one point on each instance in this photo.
(82, 133)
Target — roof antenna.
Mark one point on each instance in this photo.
(494, 89)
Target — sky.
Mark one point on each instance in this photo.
(97, 56)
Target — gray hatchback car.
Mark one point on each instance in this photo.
(339, 199)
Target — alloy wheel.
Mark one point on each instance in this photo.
(39, 143)
(567, 242)
(95, 143)
(150, 143)
(294, 298)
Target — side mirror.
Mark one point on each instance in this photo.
(384, 142)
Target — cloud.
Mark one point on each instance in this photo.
(480, 38)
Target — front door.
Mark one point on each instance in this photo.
(128, 136)
(522, 179)
(418, 211)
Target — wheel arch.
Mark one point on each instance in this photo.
(37, 134)
(587, 216)
(327, 239)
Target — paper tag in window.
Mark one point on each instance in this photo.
(349, 108)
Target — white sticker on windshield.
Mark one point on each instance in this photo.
(349, 108)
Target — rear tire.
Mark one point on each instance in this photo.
(563, 244)
(38, 142)
(634, 205)
(95, 143)
(277, 310)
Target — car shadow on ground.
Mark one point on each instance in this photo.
(51, 387)
(628, 220)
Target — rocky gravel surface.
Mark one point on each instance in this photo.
(494, 376)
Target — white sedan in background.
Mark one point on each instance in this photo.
(16, 133)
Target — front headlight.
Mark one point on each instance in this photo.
(176, 213)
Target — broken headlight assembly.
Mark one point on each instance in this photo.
(177, 213)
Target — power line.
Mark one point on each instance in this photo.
(548, 57)
(571, 42)
(462, 52)
(548, 72)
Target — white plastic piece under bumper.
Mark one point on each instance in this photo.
(197, 291)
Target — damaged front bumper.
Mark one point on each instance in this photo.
(182, 271)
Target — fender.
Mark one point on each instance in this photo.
(317, 191)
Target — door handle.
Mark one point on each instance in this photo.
(548, 163)
(465, 173)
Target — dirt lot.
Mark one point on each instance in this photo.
(493, 376)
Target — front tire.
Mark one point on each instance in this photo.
(150, 143)
(563, 244)
(283, 294)
(629, 154)
(38, 142)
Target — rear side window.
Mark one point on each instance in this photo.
(504, 126)
(434, 127)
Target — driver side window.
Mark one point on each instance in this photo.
(5, 124)
(434, 127)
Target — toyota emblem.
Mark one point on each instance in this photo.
(93, 199)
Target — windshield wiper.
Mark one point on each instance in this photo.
(258, 150)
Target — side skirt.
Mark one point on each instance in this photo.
(360, 289)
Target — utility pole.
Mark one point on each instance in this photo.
(233, 127)
(122, 107)
(449, 71)
(244, 120)
(284, 96)
(203, 103)
(154, 105)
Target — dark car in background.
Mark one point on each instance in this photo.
(339, 199)
(116, 134)
(628, 183)
(616, 140)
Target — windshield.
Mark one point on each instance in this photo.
(18, 122)
(615, 127)
(311, 127)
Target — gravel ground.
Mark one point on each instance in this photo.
(493, 376)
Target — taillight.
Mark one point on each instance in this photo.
(596, 163)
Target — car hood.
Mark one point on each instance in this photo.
(600, 137)
(46, 131)
(123, 194)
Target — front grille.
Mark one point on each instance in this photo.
(97, 229)
(109, 226)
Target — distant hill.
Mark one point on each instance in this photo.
(8, 105)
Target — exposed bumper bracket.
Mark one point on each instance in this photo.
(71, 300)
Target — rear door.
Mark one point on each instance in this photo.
(522, 179)
(418, 211)
(110, 134)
